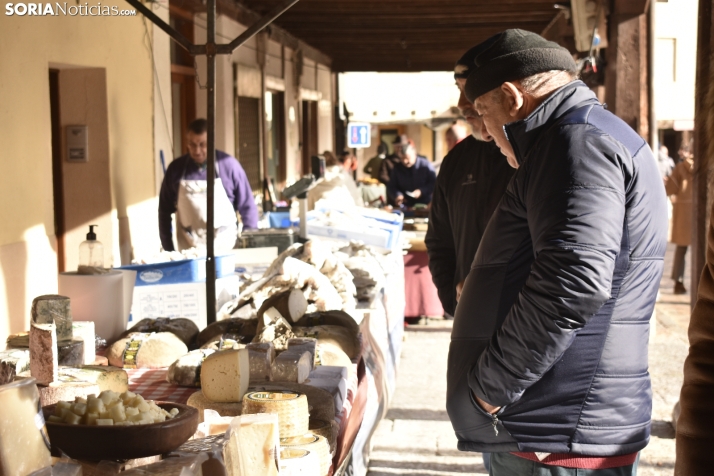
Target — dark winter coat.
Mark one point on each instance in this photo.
(471, 182)
(553, 322)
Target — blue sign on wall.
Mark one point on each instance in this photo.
(358, 135)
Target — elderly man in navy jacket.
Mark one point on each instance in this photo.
(412, 181)
(548, 358)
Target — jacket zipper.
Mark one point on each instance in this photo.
(495, 423)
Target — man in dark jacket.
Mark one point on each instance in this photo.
(471, 181)
(412, 181)
(548, 358)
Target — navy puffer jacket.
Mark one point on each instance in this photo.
(553, 320)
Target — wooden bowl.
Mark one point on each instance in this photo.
(95, 443)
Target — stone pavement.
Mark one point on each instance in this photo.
(416, 437)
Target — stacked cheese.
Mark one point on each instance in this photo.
(224, 380)
(291, 408)
(314, 444)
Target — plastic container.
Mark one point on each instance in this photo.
(91, 251)
(183, 271)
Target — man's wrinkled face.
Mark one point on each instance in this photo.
(494, 110)
(198, 146)
(468, 111)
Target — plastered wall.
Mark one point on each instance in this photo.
(29, 46)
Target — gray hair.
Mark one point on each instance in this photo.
(545, 83)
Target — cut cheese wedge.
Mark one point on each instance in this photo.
(291, 408)
(292, 366)
(252, 448)
(225, 375)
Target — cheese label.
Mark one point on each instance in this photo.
(132, 349)
(272, 396)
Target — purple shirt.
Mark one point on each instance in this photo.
(234, 180)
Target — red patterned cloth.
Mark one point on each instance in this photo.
(152, 385)
(419, 290)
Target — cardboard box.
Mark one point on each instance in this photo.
(183, 271)
(180, 300)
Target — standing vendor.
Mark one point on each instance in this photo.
(412, 181)
(184, 191)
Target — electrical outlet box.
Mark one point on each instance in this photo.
(77, 141)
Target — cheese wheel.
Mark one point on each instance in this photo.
(315, 444)
(297, 462)
(13, 362)
(66, 391)
(186, 371)
(184, 329)
(291, 408)
(146, 351)
(292, 366)
(304, 344)
(105, 377)
(200, 402)
(325, 429)
(320, 402)
(53, 309)
(332, 355)
(225, 375)
(338, 336)
(262, 355)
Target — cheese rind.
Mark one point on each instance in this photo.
(262, 356)
(186, 371)
(200, 402)
(43, 353)
(13, 362)
(53, 309)
(292, 366)
(315, 444)
(66, 391)
(154, 350)
(225, 375)
(304, 344)
(291, 408)
(85, 330)
(253, 445)
(71, 353)
(298, 462)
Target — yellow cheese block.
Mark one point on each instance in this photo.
(252, 446)
(225, 375)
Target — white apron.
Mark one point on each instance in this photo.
(192, 215)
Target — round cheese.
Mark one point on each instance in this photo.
(146, 351)
(201, 403)
(291, 408)
(297, 462)
(325, 429)
(313, 443)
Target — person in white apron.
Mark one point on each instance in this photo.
(192, 215)
(184, 191)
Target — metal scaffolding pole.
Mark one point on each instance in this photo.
(211, 49)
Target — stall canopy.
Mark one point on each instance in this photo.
(404, 35)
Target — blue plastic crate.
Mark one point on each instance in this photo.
(184, 271)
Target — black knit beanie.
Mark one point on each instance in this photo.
(465, 65)
(512, 55)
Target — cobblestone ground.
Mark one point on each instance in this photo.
(416, 437)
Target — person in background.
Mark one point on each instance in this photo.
(337, 185)
(184, 192)
(664, 161)
(374, 165)
(456, 133)
(471, 182)
(679, 188)
(413, 180)
(392, 160)
(547, 364)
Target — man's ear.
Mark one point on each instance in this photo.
(514, 98)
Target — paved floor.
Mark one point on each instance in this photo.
(416, 437)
